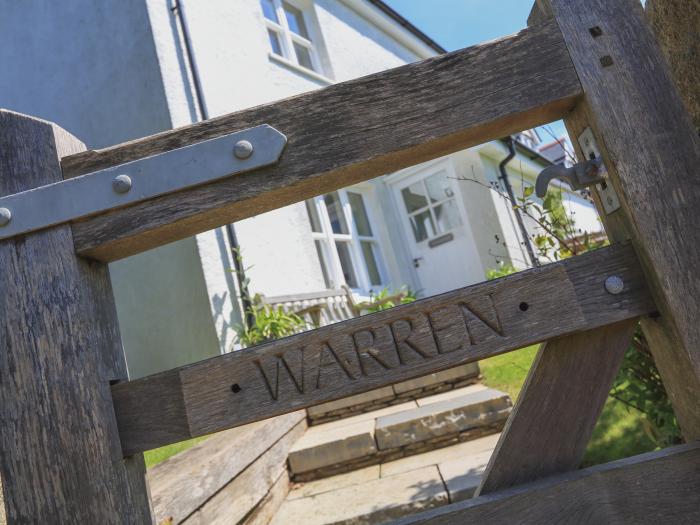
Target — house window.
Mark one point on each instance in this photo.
(288, 33)
(345, 241)
(431, 206)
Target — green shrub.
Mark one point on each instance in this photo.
(386, 299)
(270, 323)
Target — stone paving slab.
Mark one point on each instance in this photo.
(340, 481)
(456, 453)
(463, 475)
(376, 501)
(458, 372)
(320, 447)
(450, 394)
(381, 394)
(451, 416)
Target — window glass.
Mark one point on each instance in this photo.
(359, 214)
(375, 278)
(439, 187)
(268, 8)
(295, 20)
(346, 263)
(324, 263)
(447, 216)
(335, 213)
(422, 224)
(414, 197)
(314, 219)
(303, 56)
(275, 42)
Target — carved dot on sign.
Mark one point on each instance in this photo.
(524, 307)
(606, 61)
(596, 31)
(235, 388)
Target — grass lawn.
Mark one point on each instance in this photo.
(619, 432)
(155, 456)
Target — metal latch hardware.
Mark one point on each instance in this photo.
(578, 176)
(606, 191)
(139, 180)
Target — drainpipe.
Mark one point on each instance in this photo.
(238, 266)
(510, 143)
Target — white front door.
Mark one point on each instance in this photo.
(443, 250)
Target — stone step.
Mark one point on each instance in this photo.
(456, 377)
(398, 431)
(380, 493)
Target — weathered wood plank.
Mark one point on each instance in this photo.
(344, 134)
(240, 497)
(659, 487)
(364, 353)
(558, 407)
(61, 459)
(211, 465)
(652, 153)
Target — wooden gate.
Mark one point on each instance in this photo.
(74, 429)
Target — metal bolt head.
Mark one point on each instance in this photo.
(121, 183)
(614, 285)
(243, 149)
(5, 216)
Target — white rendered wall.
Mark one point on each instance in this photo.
(233, 59)
(92, 68)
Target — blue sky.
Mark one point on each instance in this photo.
(455, 24)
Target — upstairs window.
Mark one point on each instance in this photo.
(289, 35)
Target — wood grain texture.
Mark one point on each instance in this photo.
(345, 134)
(270, 504)
(654, 488)
(185, 482)
(652, 153)
(240, 497)
(379, 349)
(557, 409)
(61, 461)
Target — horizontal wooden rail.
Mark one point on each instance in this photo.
(344, 134)
(368, 352)
(658, 487)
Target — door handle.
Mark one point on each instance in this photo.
(416, 261)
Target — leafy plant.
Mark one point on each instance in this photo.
(269, 323)
(638, 385)
(500, 271)
(386, 299)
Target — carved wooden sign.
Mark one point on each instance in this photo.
(375, 350)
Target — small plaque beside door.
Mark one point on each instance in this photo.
(437, 241)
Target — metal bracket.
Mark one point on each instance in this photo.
(606, 191)
(579, 176)
(140, 180)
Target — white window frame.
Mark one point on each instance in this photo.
(328, 239)
(287, 37)
(430, 207)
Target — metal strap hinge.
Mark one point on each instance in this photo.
(139, 180)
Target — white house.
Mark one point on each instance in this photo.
(114, 70)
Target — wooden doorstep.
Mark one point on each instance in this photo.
(658, 487)
(379, 349)
(344, 134)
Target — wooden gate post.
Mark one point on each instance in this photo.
(59, 349)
